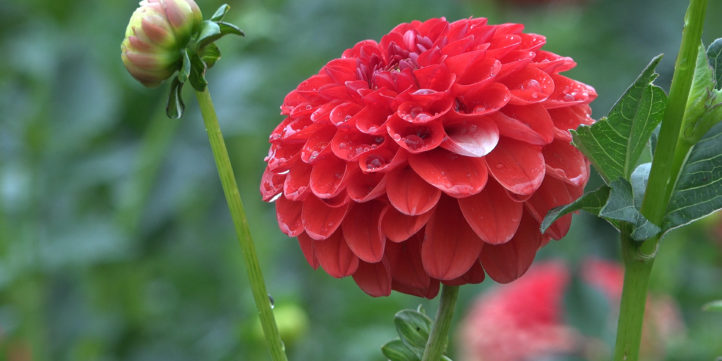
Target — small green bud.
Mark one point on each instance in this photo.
(157, 32)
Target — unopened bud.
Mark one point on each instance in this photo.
(157, 32)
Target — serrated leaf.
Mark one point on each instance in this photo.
(185, 70)
(198, 73)
(714, 54)
(713, 306)
(210, 55)
(698, 191)
(621, 207)
(395, 350)
(220, 12)
(614, 143)
(175, 107)
(228, 28)
(591, 202)
(413, 327)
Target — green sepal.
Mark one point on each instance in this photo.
(228, 28)
(210, 55)
(614, 143)
(698, 191)
(210, 32)
(413, 327)
(713, 306)
(185, 69)
(198, 73)
(714, 53)
(591, 202)
(220, 12)
(174, 108)
(621, 206)
(395, 350)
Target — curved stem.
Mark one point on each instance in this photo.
(436, 345)
(235, 205)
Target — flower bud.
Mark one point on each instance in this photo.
(156, 33)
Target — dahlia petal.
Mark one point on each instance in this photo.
(471, 138)
(421, 111)
(308, 250)
(566, 163)
(502, 44)
(342, 70)
(363, 187)
(316, 146)
(436, 77)
(531, 123)
(569, 92)
(329, 177)
(456, 175)
(415, 138)
(479, 100)
(410, 194)
(459, 48)
(571, 117)
(335, 257)
(288, 214)
(474, 275)
(554, 193)
(295, 187)
(342, 113)
(374, 278)
(322, 112)
(281, 156)
(450, 247)
(383, 159)
(399, 227)
(350, 144)
(491, 214)
(531, 42)
(362, 231)
(407, 271)
(319, 219)
(302, 110)
(514, 61)
(517, 166)
(271, 184)
(529, 86)
(550, 63)
(509, 261)
(299, 129)
(371, 120)
(483, 71)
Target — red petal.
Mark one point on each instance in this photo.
(295, 187)
(514, 61)
(474, 275)
(308, 249)
(383, 159)
(363, 187)
(427, 110)
(350, 144)
(566, 163)
(398, 227)
(342, 70)
(329, 177)
(569, 92)
(450, 247)
(517, 166)
(531, 124)
(529, 85)
(288, 214)
(532, 42)
(409, 194)
(342, 113)
(553, 63)
(319, 219)
(471, 138)
(371, 120)
(476, 101)
(456, 175)
(507, 262)
(503, 42)
(436, 77)
(482, 72)
(571, 117)
(271, 184)
(416, 138)
(282, 156)
(374, 278)
(554, 193)
(407, 270)
(335, 257)
(491, 214)
(362, 231)
(316, 146)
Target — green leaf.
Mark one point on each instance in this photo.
(198, 73)
(395, 350)
(210, 55)
(220, 12)
(714, 53)
(185, 70)
(698, 191)
(621, 207)
(175, 107)
(413, 327)
(614, 143)
(713, 306)
(639, 179)
(591, 202)
(704, 105)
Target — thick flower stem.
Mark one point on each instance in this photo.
(637, 269)
(436, 345)
(235, 205)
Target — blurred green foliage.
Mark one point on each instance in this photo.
(115, 243)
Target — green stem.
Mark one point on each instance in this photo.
(637, 269)
(235, 205)
(436, 345)
(664, 172)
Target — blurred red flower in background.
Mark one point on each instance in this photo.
(525, 321)
(429, 156)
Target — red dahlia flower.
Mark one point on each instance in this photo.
(430, 156)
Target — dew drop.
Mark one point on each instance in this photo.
(413, 141)
(375, 162)
(271, 301)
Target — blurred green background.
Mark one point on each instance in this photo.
(115, 241)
